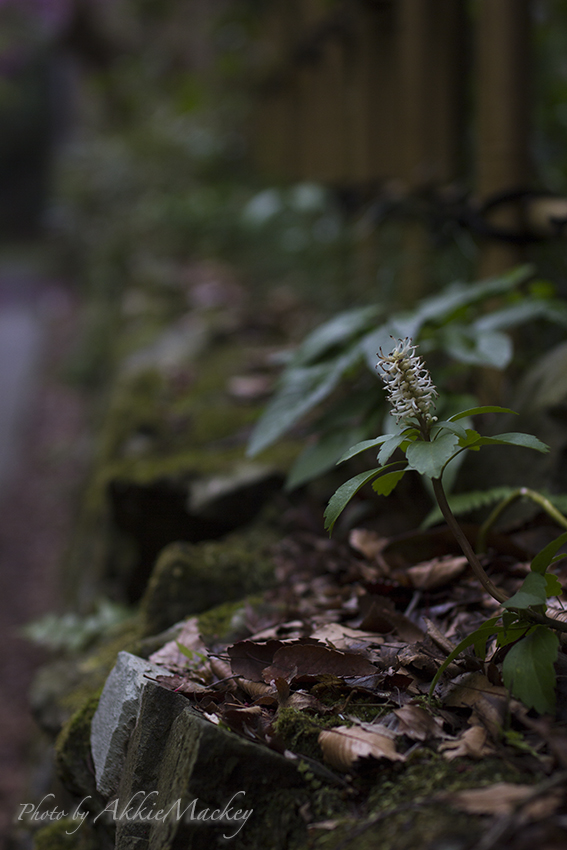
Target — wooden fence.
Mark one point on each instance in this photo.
(401, 97)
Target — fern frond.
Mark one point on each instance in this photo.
(464, 503)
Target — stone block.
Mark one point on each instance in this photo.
(116, 716)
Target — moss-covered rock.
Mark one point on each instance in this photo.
(73, 759)
(180, 756)
(65, 834)
(192, 578)
(62, 687)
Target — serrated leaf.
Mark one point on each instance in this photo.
(553, 586)
(531, 592)
(390, 446)
(340, 499)
(447, 425)
(384, 485)
(527, 441)
(429, 458)
(510, 634)
(475, 411)
(547, 555)
(528, 670)
(358, 448)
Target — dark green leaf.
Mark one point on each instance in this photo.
(478, 348)
(531, 592)
(527, 441)
(300, 390)
(458, 295)
(340, 499)
(512, 633)
(429, 458)
(553, 586)
(390, 446)
(386, 483)
(475, 411)
(321, 456)
(525, 311)
(528, 670)
(447, 425)
(358, 448)
(337, 331)
(546, 557)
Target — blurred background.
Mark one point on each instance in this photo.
(322, 153)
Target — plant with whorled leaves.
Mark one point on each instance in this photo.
(428, 446)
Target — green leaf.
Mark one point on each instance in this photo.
(386, 483)
(390, 446)
(476, 347)
(318, 457)
(553, 586)
(478, 639)
(446, 425)
(531, 592)
(464, 503)
(299, 391)
(528, 670)
(524, 311)
(429, 458)
(337, 331)
(527, 441)
(340, 499)
(546, 557)
(511, 634)
(358, 448)
(459, 295)
(475, 411)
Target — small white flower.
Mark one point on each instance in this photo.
(410, 389)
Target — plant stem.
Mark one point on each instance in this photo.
(463, 542)
(521, 492)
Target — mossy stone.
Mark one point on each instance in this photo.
(65, 835)
(192, 578)
(73, 759)
(176, 754)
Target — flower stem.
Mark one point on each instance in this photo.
(463, 542)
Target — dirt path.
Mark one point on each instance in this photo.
(43, 450)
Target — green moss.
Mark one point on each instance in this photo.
(64, 835)
(73, 751)
(193, 578)
(300, 730)
(227, 622)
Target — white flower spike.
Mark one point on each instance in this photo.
(410, 389)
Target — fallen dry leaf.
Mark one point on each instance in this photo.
(346, 639)
(295, 661)
(249, 658)
(189, 637)
(368, 543)
(380, 616)
(473, 743)
(504, 798)
(344, 746)
(417, 724)
(436, 573)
